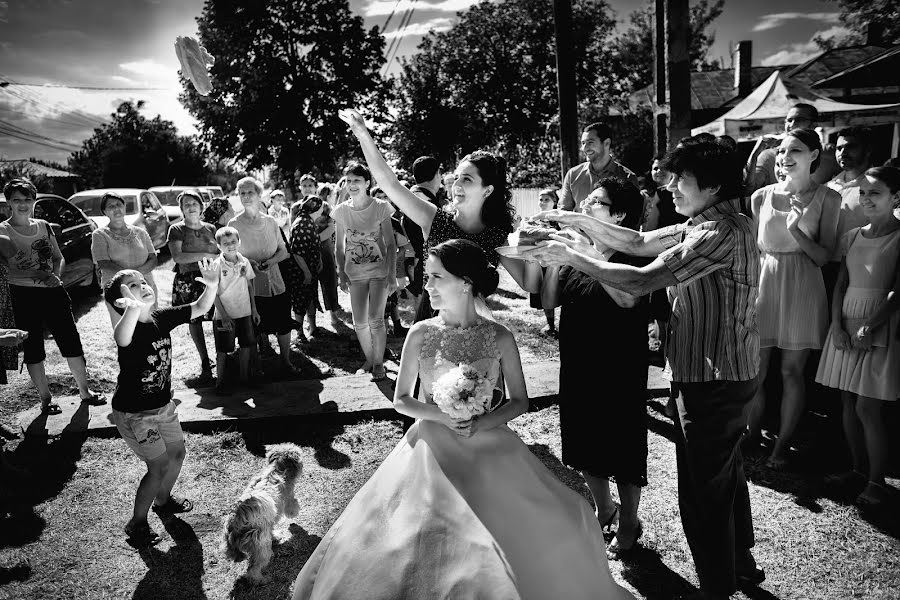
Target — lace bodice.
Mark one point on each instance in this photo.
(444, 347)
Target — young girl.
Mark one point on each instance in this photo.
(797, 228)
(189, 241)
(280, 212)
(366, 267)
(39, 300)
(461, 508)
(862, 353)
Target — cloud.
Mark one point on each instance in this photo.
(376, 8)
(424, 28)
(773, 20)
(150, 70)
(793, 54)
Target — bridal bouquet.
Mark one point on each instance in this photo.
(462, 392)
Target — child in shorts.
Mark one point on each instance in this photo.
(142, 406)
(235, 307)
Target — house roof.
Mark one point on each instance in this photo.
(710, 89)
(38, 168)
(830, 62)
(875, 71)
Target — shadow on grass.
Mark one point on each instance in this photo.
(288, 557)
(644, 570)
(319, 436)
(84, 299)
(175, 574)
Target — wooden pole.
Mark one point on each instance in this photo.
(671, 73)
(565, 83)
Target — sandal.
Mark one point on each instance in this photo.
(94, 400)
(616, 551)
(606, 526)
(51, 408)
(141, 535)
(173, 506)
(379, 373)
(873, 497)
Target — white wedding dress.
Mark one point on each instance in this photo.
(452, 517)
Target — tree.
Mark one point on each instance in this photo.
(133, 151)
(283, 68)
(490, 81)
(858, 15)
(634, 47)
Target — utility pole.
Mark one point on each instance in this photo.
(565, 83)
(671, 73)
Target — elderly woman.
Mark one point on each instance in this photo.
(39, 300)
(190, 241)
(263, 245)
(118, 245)
(596, 311)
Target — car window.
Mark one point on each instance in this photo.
(58, 211)
(90, 204)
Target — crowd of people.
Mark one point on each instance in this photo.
(727, 261)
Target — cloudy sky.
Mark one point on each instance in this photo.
(63, 45)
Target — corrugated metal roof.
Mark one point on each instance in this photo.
(710, 89)
(39, 168)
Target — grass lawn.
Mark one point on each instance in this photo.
(63, 537)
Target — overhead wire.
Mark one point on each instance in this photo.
(21, 130)
(390, 16)
(87, 87)
(58, 107)
(38, 142)
(404, 23)
(41, 118)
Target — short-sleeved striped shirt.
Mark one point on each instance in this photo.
(714, 332)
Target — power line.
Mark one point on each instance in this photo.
(86, 87)
(403, 25)
(39, 143)
(23, 131)
(33, 116)
(390, 16)
(40, 102)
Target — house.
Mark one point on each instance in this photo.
(60, 182)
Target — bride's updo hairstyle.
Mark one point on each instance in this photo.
(497, 210)
(467, 261)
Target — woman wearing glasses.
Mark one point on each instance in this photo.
(618, 321)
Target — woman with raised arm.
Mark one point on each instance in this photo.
(461, 508)
(480, 208)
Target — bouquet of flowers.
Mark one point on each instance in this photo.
(462, 392)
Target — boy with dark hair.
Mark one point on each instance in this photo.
(142, 406)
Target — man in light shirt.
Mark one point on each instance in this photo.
(580, 180)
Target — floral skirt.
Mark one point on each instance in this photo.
(186, 289)
(301, 293)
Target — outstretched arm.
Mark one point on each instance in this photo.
(618, 238)
(419, 210)
(209, 270)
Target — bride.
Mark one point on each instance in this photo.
(461, 509)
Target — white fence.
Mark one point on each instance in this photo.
(525, 200)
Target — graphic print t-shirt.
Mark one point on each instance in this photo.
(145, 365)
(364, 247)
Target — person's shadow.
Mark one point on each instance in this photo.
(176, 574)
(288, 557)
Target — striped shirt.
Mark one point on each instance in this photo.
(714, 332)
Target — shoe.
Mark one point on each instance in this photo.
(379, 373)
(615, 551)
(206, 373)
(750, 578)
(777, 464)
(845, 479)
(51, 408)
(173, 506)
(606, 526)
(94, 400)
(875, 496)
(549, 331)
(141, 536)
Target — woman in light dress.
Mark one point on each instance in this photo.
(797, 223)
(461, 509)
(862, 353)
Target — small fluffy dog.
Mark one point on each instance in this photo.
(268, 497)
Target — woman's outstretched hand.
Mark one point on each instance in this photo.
(351, 117)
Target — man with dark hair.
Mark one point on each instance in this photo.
(710, 267)
(427, 173)
(761, 164)
(854, 155)
(580, 181)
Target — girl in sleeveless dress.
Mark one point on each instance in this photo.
(862, 353)
(796, 223)
(461, 508)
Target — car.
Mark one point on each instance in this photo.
(73, 231)
(168, 196)
(142, 208)
(214, 190)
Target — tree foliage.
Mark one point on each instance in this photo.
(133, 151)
(857, 15)
(282, 70)
(490, 81)
(634, 47)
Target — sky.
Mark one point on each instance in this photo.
(62, 45)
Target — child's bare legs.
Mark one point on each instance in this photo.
(175, 453)
(359, 306)
(196, 329)
(148, 488)
(377, 299)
